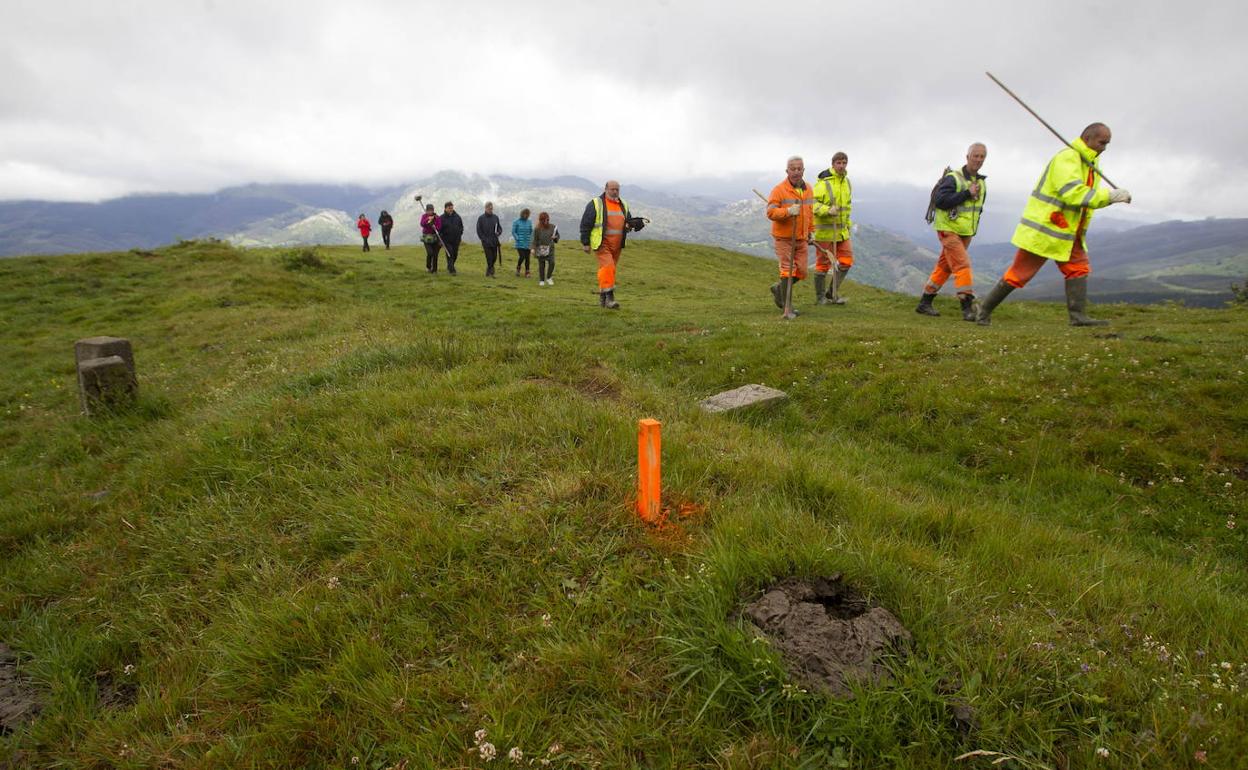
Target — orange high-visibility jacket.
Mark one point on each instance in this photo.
(784, 195)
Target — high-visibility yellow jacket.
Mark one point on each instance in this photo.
(832, 189)
(1060, 208)
(962, 219)
(592, 223)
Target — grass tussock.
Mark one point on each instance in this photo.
(362, 513)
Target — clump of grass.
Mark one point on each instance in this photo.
(306, 258)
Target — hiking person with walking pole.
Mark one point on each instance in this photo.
(833, 200)
(1055, 222)
(431, 236)
(386, 223)
(957, 204)
(792, 223)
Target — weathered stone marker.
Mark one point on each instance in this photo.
(106, 375)
(746, 395)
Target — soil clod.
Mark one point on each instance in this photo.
(19, 700)
(829, 635)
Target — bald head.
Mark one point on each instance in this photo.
(1096, 136)
(976, 154)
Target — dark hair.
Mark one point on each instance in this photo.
(543, 219)
(840, 156)
(524, 213)
(448, 203)
(428, 207)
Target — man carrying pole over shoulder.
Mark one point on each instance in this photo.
(833, 201)
(957, 205)
(1054, 223)
(792, 223)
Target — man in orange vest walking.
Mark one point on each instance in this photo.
(604, 230)
(792, 223)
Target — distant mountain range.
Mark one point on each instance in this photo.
(1191, 261)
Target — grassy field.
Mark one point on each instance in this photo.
(362, 512)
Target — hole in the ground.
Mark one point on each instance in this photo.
(828, 634)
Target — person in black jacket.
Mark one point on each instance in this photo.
(489, 229)
(386, 222)
(452, 234)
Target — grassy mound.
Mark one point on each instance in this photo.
(361, 513)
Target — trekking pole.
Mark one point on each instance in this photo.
(437, 232)
(1052, 130)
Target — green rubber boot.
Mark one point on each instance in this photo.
(989, 303)
(1077, 303)
(969, 311)
(821, 285)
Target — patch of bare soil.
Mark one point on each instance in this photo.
(19, 699)
(828, 633)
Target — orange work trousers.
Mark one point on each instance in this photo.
(608, 257)
(953, 261)
(1026, 265)
(823, 256)
(785, 251)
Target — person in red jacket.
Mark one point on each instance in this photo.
(365, 227)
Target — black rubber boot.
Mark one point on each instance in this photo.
(821, 284)
(611, 304)
(777, 293)
(602, 299)
(1077, 303)
(968, 306)
(989, 303)
(925, 305)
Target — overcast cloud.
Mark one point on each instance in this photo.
(104, 99)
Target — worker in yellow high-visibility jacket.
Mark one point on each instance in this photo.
(1054, 223)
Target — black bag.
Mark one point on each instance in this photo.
(636, 223)
(930, 216)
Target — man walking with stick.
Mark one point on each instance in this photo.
(1054, 223)
(833, 200)
(788, 208)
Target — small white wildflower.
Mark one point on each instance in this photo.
(479, 736)
(515, 755)
(355, 760)
(546, 619)
(333, 581)
(1226, 665)
(554, 749)
(128, 670)
(487, 751)
(1102, 752)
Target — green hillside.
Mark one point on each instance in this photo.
(362, 512)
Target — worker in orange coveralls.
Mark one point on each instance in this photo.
(792, 223)
(604, 230)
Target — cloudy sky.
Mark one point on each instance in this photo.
(100, 99)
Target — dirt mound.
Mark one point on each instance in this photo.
(827, 633)
(19, 701)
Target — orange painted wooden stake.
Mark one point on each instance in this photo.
(648, 477)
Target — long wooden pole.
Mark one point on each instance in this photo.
(1045, 123)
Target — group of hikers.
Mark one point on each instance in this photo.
(1052, 228)
(604, 227)
(446, 231)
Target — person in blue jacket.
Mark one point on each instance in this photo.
(522, 234)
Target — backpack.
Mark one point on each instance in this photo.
(930, 216)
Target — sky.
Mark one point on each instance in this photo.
(99, 100)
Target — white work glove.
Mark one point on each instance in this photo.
(1119, 196)
(795, 209)
(834, 210)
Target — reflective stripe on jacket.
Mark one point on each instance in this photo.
(784, 195)
(832, 189)
(962, 219)
(591, 223)
(1060, 208)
